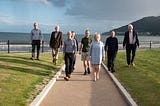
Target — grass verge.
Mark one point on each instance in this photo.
(21, 79)
(143, 80)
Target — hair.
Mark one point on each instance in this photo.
(87, 31)
(112, 31)
(97, 34)
(69, 32)
(57, 26)
(35, 23)
(130, 25)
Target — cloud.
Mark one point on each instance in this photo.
(114, 9)
(55, 3)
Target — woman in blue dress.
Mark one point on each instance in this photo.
(97, 55)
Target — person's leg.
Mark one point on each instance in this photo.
(71, 58)
(88, 66)
(53, 54)
(128, 54)
(113, 61)
(88, 62)
(85, 70)
(98, 71)
(84, 59)
(74, 62)
(38, 49)
(109, 62)
(66, 66)
(94, 72)
(133, 54)
(33, 50)
(56, 55)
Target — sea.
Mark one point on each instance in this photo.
(20, 42)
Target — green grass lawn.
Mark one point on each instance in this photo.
(143, 80)
(21, 79)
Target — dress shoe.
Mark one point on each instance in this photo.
(88, 70)
(85, 72)
(66, 78)
(132, 64)
(69, 76)
(32, 58)
(109, 69)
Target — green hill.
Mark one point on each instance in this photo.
(145, 26)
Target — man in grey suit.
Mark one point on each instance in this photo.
(56, 41)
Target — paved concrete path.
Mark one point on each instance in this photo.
(81, 90)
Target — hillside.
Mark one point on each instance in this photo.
(145, 26)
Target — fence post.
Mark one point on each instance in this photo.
(150, 45)
(8, 46)
(42, 46)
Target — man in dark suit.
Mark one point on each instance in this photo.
(56, 41)
(130, 42)
(111, 49)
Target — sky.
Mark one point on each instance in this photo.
(73, 15)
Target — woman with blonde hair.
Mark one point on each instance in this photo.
(97, 55)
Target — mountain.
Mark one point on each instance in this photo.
(145, 26)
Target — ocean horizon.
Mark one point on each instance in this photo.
(18, 37)
(20, 42)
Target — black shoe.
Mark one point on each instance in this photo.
(113, 70)
(37, 58)
(85, 72)
(66, 78)
(88, 70)
(32, 58)
(109, 69)
(53, 60)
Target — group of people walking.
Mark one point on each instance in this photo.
(91, 51)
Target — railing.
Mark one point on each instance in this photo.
(21, 47)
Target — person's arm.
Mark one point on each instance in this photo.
(137, 40)
(50, 43)
(61, 39)
(31, 36)
(41, 36)
(81, 45)
(64, 50)
(80, 48)
(75, 46)
(103, 52)
(125, 40)
(116, 45)
(106, 46)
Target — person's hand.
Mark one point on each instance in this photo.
(63, 56)
(103, 59)
(89, 58)
(106, 53)
(61, 46)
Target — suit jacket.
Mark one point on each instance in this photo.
(56, 42)
(126, 39)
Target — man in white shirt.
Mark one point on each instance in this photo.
(131, 42)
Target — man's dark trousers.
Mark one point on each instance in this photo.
(69, 58)
(130, 48)
(34, 44)
(111, 59)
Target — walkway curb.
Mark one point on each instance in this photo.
(41, 96)
(122, 90)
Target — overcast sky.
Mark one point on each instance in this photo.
(77, 15)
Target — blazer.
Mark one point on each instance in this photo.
(56, 42)
(126, 39)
